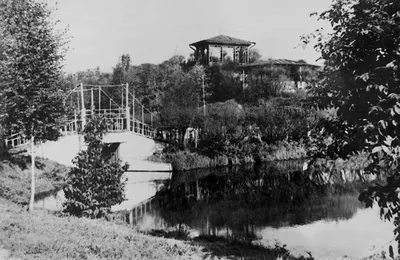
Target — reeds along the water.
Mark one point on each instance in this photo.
(184, 160)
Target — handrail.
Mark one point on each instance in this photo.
(117, 124)
(120, 118)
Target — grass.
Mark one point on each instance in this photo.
(186, 160)
(284, 151)
(44, 235)
(41, 235)
(15, 177)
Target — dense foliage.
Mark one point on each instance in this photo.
(31, 69)
(361, 79)
(30, 73)
(211, 111)
(94, 184)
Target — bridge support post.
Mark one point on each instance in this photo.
(142, 114)
(91, 101)
(127, 107)
(99, 99)
(130, 217)
(75, 122)
(83, 110)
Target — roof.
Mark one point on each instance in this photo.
(224, 40)
(278, 62)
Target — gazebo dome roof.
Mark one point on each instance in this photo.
(224, 40)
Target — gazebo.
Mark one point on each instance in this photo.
(204, 50)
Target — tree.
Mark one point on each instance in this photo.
(31, 73)
(255, 55)
(222, 82)
(120, 71)
(94, 184)
(181, 101)
(361, 79)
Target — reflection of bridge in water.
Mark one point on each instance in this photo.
(125, 113)
(136, 214)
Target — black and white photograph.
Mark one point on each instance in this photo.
(205, 130)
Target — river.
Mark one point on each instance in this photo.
(268, 204)
(139, 186)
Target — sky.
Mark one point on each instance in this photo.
(152, 31)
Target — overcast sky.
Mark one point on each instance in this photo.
(151, 31)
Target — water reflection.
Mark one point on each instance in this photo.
(139, 186)
(261, 202)
(255, 196)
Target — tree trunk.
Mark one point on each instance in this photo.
(32, 200)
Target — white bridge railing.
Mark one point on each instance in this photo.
(127, 116)
(117, 122)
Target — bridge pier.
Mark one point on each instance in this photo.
(83, 110)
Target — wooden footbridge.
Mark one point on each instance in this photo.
(117, 103)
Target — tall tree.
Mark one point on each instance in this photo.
(181, 101)
(361, 79)
(31, 72)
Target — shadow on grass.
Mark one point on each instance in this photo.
(21, 159)
(220, 247)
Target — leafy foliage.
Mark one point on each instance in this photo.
(94, 184)
(31, 69)
(222, 82)
(282, 119)
(181, 101)
(361, 79)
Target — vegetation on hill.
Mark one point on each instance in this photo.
(235, 124)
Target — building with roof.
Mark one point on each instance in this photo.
(296, 74)
(222, 48)
(280, 62)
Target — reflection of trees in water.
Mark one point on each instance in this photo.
(234, 202)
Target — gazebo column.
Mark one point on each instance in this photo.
(196, 54)
(208, 54)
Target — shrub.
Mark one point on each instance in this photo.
(94, 185)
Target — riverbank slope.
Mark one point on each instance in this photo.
(185, 160)
(45, 235)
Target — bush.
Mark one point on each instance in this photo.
(282, 119)
(94, 185)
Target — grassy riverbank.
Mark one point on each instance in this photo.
(187, 160)
(15, 177)
(43, 235)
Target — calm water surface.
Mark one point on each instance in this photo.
(139, 186)
(268, 204)
(274, 203)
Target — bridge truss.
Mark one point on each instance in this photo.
(117, 103)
